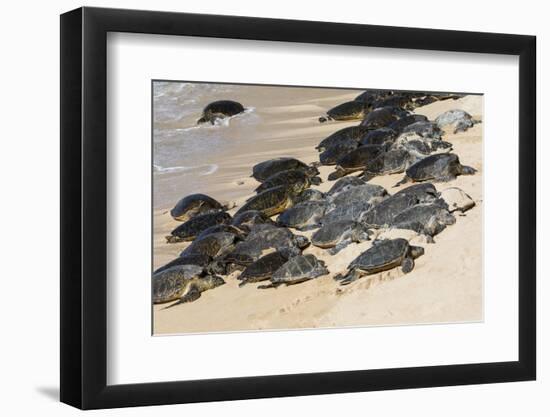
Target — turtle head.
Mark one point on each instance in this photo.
(215, 280)
(312, 171)
(302, 241)
(466, 170)
(339, 173)
(315, 180)
(416, 251)
(201, 120)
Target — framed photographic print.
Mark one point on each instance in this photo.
(298, 207)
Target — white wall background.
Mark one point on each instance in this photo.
(29, 169)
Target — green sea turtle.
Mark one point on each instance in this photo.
(370, 193)
(356, 160)
(426, 129)
(227, 228)
(193, 227)
(382, 214)
(220, 110)
(337, 235)
(271, 201)
(426, 219)
(370, 97)
(213, 245)
(332, 154)
(348, 211)
(296, 178)
(439, 167)
(423, 192)
(403, 122)
(378, 118)
(263, 170)
(344, 184)
(457, 199)
(459, 120)
(382, 256)
(350, 110)
(352, 132)
(194, 204)
(309, 195)
(183, 283)
(303, 216)
(379, 136)
(394, 161)
(263, 268)
(297, 269)
(246, 219)
(263, 239)
(200, 260)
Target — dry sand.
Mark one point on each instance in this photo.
(445, 286)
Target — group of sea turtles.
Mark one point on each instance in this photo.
(261, 239)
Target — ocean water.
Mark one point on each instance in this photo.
(184, 152)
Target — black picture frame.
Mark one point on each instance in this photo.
(84, 207)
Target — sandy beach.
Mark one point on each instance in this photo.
(446, 284)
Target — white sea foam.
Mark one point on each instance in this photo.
(206, 169)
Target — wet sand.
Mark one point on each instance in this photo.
(445, 286)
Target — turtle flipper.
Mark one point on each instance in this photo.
(341, 245)
(407, 265)
(353, 275)
(403, 181)
(192, 294)
(266, 286)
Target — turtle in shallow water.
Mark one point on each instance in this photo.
(426, 219)
(263, 268)
(370, 193)
(337, 235)
(270, 202)
(349, 211)
(263, 170)
(183, 283)
(382, 256)
(378, 118)
(439, 167)
(296, 178)
(303, 216)
(194, 204)
(356, 160)
(394, 161)
(350, 110)
(332, 154)
(220, 110)
(353, 132)
(193, 227)
(458, 120)
(379, 136)
(297, 269)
